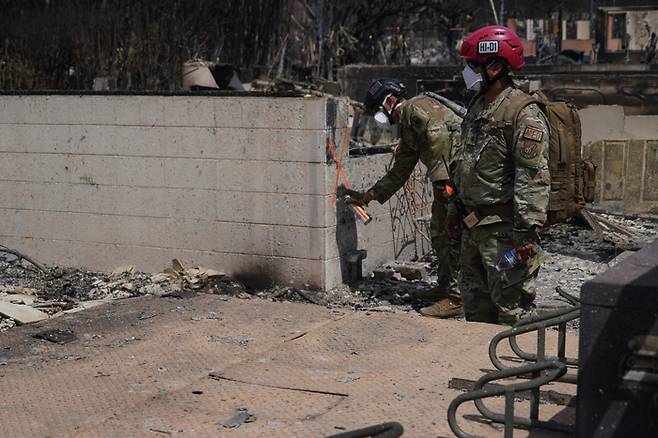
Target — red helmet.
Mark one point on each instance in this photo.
(491, 42)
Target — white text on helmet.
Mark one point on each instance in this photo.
(488, 47)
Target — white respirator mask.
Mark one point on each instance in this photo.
(472, 80)
(383, 117)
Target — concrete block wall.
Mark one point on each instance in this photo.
(625, 151)
(240, 184)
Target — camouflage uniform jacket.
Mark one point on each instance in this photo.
(489, 171)
(428, 130)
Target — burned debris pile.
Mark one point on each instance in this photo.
(574, 254)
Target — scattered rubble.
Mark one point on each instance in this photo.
(573, 255)
(29, 294)
(243, 416)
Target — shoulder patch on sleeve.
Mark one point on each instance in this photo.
(533, 134)
(530, 149)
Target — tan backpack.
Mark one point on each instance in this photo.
(572, 178)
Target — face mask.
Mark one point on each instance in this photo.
(472, 80)
(382, 118)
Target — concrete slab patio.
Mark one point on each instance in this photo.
(140, 367)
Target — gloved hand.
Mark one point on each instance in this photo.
(453, 226)
(526, 251)
(358, 198)
(525, 242)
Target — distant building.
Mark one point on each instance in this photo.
(625, 32)
(618, 34)
(544, 38)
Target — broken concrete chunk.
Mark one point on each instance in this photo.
(211, 272)
(17, 299)
(83, 305)
(153, 289)
(193, 278)
(21, 314)
(17, 290)
(243, 416)
(128, 286)
(161, 278)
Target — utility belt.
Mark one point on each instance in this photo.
(475, 214)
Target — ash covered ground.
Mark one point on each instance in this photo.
(574, 254)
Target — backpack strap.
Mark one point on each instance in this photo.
(510, 116)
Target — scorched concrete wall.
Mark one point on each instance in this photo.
(241, 184)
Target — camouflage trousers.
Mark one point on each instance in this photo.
(489, 295)
(446, 250)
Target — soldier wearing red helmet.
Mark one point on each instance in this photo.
(486, 48)
(501, 172)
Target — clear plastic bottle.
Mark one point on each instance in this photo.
(508, 261)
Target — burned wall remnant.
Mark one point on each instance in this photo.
(238, 183)
(625, 151)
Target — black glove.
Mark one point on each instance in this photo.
(358, 198)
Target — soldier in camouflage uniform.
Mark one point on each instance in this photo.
(428, 131)
(502, 175)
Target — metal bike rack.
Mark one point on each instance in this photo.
(538, 324)
(553, 371)
(544, 370)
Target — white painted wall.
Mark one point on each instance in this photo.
(240, 184)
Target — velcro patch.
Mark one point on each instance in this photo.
(488, 47)
(533, 134)
(530, 150)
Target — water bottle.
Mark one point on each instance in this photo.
(508, 261)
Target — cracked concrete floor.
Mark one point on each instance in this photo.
(140, 367)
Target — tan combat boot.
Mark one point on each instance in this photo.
(434, 294)
(445, 308)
